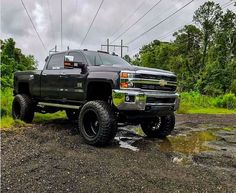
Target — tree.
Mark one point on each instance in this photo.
(203, 57)
(188, 42)
(13, 60)
(207, 16)
(127, 58)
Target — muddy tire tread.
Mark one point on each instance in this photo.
(107, 122)
(166, 127)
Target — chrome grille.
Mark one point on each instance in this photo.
(156, 77)
(155, 87)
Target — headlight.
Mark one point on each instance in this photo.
(125, 79)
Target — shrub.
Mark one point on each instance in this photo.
(233, 87)
(229, 101)
(196, 100)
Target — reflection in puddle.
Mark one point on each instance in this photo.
(191, 143)
(126, 142)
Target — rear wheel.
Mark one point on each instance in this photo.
(159, 127)
(97, 123)
(23, 108)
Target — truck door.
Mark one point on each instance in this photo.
(73, 80)
(51, 82)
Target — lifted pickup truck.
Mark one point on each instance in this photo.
(99, 90)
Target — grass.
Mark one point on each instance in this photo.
(212, 110)
(195, 103)
(6, 118)
(8, 122)
(190, 109)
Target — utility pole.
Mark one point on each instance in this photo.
(108, 45)
(121, 50)
(121, 46)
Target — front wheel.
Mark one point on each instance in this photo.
(159, 127)
(97, 123)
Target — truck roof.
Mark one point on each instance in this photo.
(84, 50)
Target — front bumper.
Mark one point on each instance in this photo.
(139, 100)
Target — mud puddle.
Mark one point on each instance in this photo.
(186, 142)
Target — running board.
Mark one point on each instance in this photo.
(42, 104)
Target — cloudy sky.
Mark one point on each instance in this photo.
(114, 17)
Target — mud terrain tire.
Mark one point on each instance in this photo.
(160, 127)
(97, 123)
(23, 108)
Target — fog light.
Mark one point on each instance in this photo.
(129, 98)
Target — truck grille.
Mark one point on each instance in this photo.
(156, 77)
(160, 100)
(155, 87)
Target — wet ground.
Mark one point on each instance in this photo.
(200, 156)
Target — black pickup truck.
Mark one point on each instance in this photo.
(99, 90)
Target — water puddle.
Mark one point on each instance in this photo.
(187, 143)
(191, 143)
(126, 142)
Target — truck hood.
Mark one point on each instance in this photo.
(137, 69)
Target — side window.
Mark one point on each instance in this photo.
(56, 62)
(78, 57)
(93, 58)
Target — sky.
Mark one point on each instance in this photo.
(114, 17)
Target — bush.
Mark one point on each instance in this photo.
(228, 101)
(6, 102)
(233, 87)
(196, 100)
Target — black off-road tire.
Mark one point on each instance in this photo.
(72, 115)
(97, 123)
(23, 108)
(159, 127)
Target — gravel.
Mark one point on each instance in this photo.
(53, 158)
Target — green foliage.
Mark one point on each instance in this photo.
(13, 60)
(233, 87)
(6, 102)
(194, 102)
(203, 57)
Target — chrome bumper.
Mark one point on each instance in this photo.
(138, 100)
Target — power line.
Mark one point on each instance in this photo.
(227, 4)
(159, 22)
(73, 26)
(137, 20)
(61, 24)
(33, 26)
(92, 23)
(50, 18)
(127, 18)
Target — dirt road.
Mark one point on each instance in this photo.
(200, 156)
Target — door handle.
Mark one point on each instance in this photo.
(63, 75)
(44, 74)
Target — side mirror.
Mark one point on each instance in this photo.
(70, 63)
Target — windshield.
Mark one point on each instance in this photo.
(96, 58)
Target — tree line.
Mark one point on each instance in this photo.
(12, 60)
(203, 54)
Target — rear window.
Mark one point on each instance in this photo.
(56, 62)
